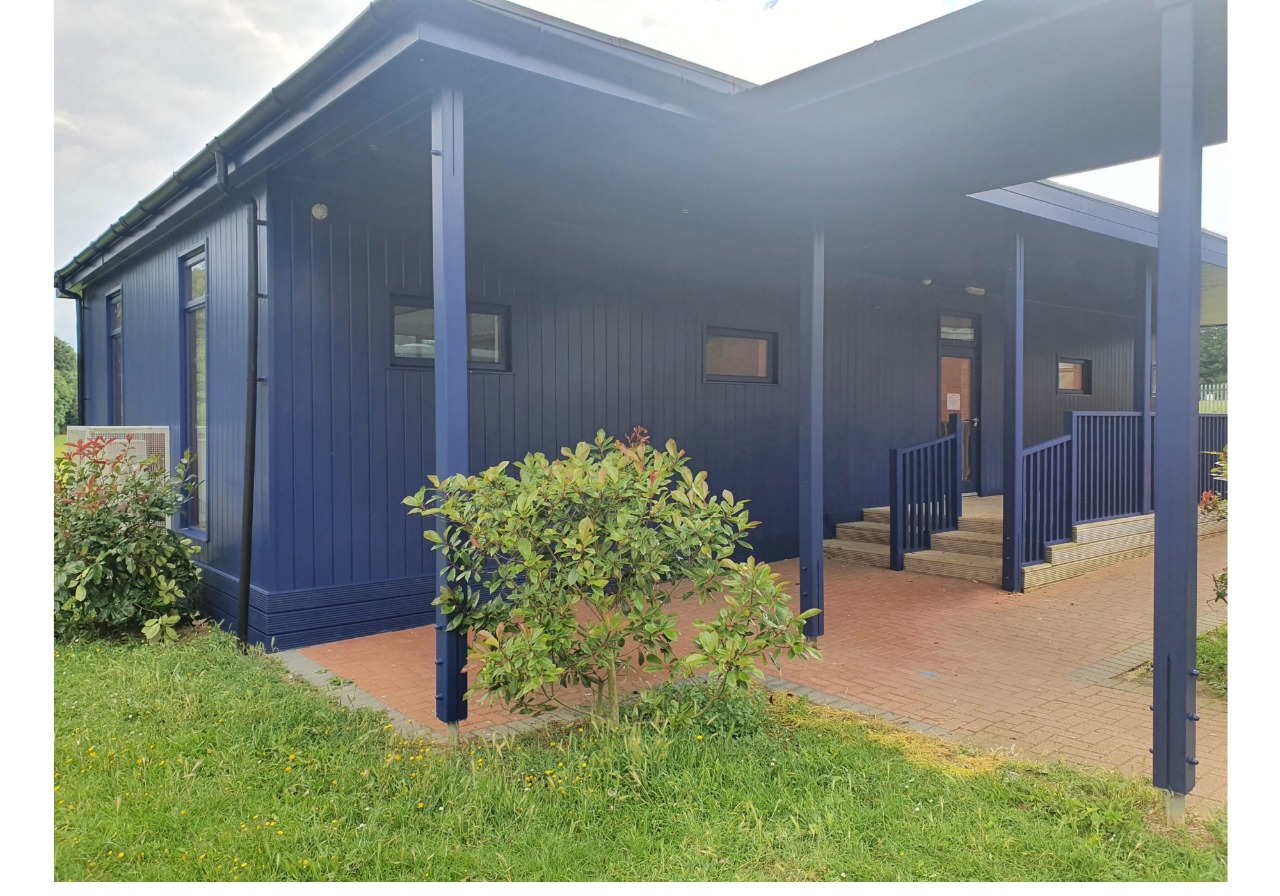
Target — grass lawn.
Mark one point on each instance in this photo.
(194, 762)
(59, 444)
(1211, 659)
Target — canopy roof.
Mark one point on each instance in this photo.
(1001, 92)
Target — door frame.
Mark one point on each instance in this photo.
(972, 351)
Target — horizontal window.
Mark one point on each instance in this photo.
(1074, 376)
(957, 329)
(740, 356)
(414, 334)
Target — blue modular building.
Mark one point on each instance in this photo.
(465, 230)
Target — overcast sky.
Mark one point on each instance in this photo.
(140, 85)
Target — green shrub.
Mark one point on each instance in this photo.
(117, 566)
(586, 553)
(736, 713)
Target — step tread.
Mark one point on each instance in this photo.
(864, 547)
(934, 555)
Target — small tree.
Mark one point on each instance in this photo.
(116, 564)
(566, 574)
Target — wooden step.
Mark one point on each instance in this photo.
(983, 544)
(1072, 559)
(1108, 529)
(875, 515)
(985, 525)
(954, 565)
(873, 533)
(856, 552)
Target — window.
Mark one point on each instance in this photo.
(740, 356)
(1074, 376)
(194, 289)
(115, 356)
(954, 328)
(413, 332)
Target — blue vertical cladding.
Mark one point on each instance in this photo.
(153, 371)
(1105, 340)
(606, 332)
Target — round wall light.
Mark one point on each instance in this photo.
(319, 211)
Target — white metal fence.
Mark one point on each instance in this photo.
(1213, 398)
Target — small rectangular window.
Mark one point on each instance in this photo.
(1074, 377)
(413, 328)
(957, 329)
(115, 351)
(195, 349)
(740, 356)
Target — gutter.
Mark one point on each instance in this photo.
(81, 308)
(254, 295)
(371, 25)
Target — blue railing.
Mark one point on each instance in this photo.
(924, 492)
(1213, 437)
(1046, 497)
(1106, 448)
(1097, 472)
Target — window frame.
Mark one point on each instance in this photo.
(187, 306)
(968, 315)
(502, 312)
(769, 336)
(1086, 375)
(115, 354)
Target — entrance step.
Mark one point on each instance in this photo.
(968, 541)
(873, 533)
(1098, 545)
(866, 553)
(954, 565)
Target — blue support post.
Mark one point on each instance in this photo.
(812, 295)
(1176, 424)
(1014, 349)
(449, 278)
(1142, 375)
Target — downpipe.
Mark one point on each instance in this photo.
(251, 395)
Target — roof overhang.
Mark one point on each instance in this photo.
(1082, 210)
(1004, 91)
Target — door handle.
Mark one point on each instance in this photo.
(974, 421)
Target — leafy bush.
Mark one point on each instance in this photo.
(736, 713)
(1214, 506)
(116, 564)
(585, 555)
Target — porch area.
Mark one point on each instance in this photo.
(973, 550)
(1044, 676)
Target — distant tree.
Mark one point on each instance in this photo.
(1213, 354)
(65, 410)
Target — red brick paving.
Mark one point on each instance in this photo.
(1024, 674)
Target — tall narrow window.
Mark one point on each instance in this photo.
(195, 381)
(115, 351)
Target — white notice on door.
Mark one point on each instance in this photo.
(953, 401)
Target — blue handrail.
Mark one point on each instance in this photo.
(924, 492)
(1094, 473)
(1047, 496)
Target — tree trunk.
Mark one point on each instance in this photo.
(613, 694)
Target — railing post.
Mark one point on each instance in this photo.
(1178, 352)
(449, 273)
(1073, 455)
(957, 430)
(1014, 345)
(897, 510)
(812, 293)
(1142, 378)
